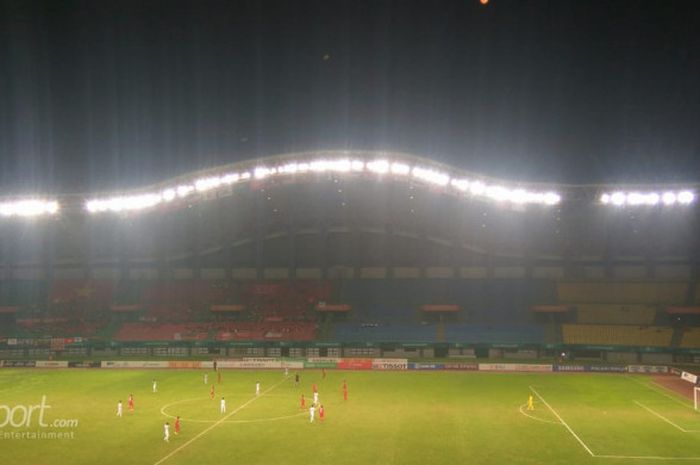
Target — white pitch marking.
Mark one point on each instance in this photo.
(536, 418)
(659, 391)
(666, 419)
(643, 457)
(563, 422)
(202, 433)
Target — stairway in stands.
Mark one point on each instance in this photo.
(440, 332)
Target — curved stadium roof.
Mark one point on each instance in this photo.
(387, 166)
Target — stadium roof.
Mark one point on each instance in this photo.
(388, 166)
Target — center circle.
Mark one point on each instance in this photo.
(215, 407)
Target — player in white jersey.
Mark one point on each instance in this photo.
(257, 388)
(119, 409)
(316, 397)
(166, 432)
(312, 412)
(155, 386)
(206, 378)
(222, 406)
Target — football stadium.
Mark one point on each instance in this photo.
(447, 232)
(425, 306)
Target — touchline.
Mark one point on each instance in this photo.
(21, 415)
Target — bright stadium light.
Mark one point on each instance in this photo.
(263, 172)
(168, 195)
(357, 165)
(686, 197)
(552, 198)
(498, 193)
(319, 166)
(618, 198)
(378, 166)
(477, 188)
(29, 208)
(669, 198)
(401, 169)
(206, 184)
(637, 198)
(460, 184)
(230, 178)
(430, 176)
(184, 190)
(519, 196)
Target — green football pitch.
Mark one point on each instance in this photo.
(389, 418)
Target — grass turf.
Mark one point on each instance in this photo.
(390, 418)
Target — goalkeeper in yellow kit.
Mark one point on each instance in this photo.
(530, 403)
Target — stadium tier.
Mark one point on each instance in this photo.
(615, 314)
(690, 338)
(617, 335)
(646, 292)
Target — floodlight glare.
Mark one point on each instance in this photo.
(686, 197)
(400, 168)
(618, 198)
(669, 198)
(378, 166)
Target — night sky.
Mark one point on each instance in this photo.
(98, 95)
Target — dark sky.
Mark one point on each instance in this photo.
(100, 95)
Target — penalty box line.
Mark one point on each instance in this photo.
(224, 418)
(657, 414)
(580, 441)
(608, 456)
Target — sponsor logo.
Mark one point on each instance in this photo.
(426, 366)
(569, 368)
(691, 378)
(389, 364)
(355, 364)
(647, 369)
(19, 364)
(33, 422)
(461, 366)
(134, 364)
(607, 369)
(514, 367)
(50, 364)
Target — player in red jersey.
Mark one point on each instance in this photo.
(131, 402)
(345, 390)
(302, 402)
(323, 372)
(321, 413)
(218, 376)
(177, 425)
(211, 392)
(314, 388)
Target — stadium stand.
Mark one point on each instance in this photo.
(499, 334)
(619, 335)
(690, 338)
(615, 314)
(622, 292)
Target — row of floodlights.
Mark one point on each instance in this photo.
(29, 208)
(377, 167)
(621, 199)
